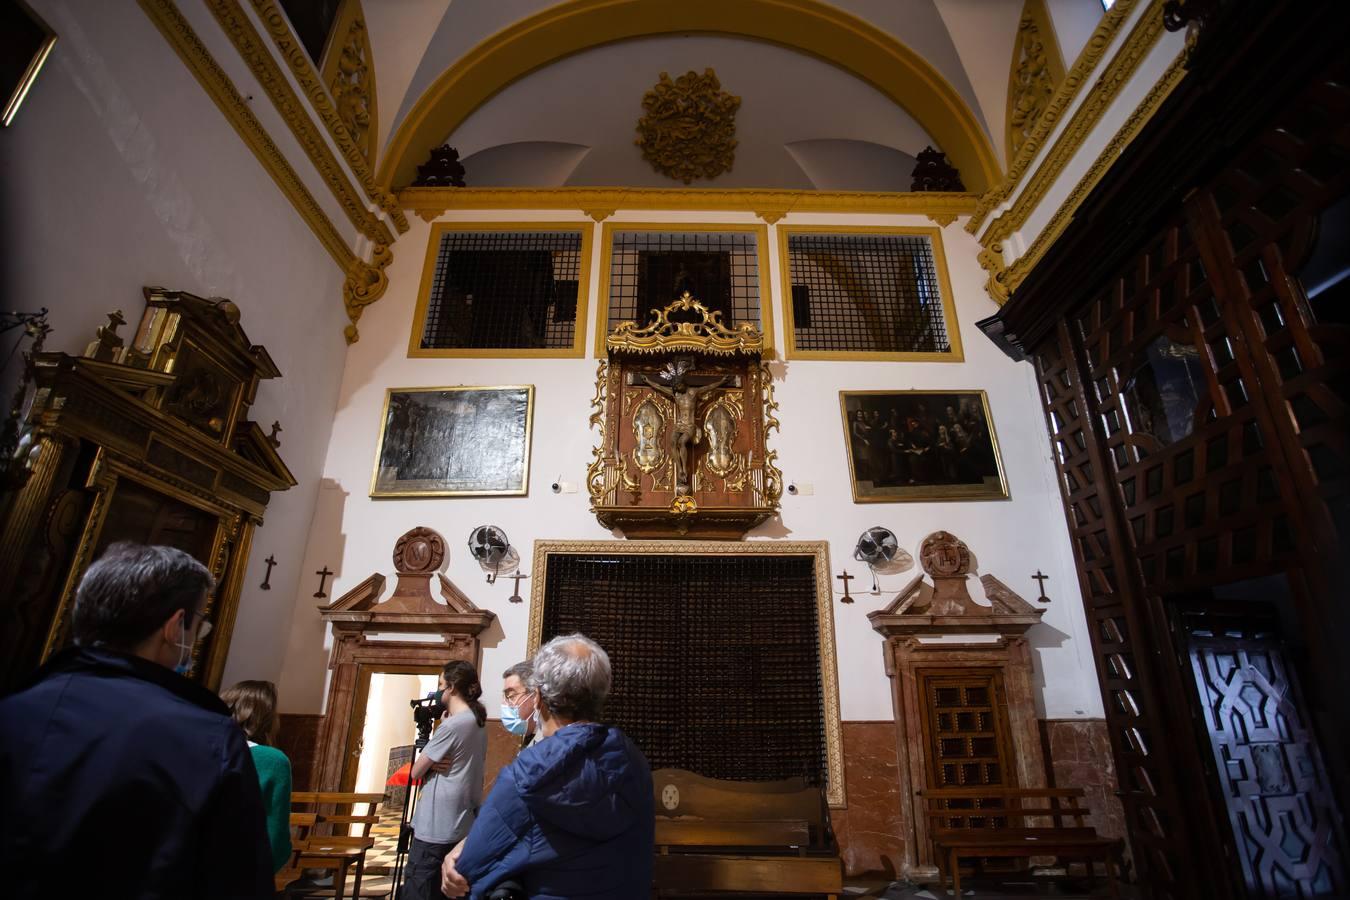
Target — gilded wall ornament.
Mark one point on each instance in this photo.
(1033, 83)
(350, 84)
(689, 129)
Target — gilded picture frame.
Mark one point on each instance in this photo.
(29, 41)
(906, 446)
(463, 441)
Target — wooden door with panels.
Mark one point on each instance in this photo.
(965, 720)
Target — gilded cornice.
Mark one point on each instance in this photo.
(236, 25)
(1085, 118)
(293, 52)
(1019, 270)
(213, 79)
(1068, 90)
(365, 282)
(770, 205)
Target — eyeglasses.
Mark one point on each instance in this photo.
(515, 697)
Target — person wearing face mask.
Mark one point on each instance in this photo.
(117, 773)
(519, 711)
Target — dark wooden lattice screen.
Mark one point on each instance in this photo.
(1198, 407)
(716, 659)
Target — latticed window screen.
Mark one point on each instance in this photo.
(716, 658)
(504, 290)
(866, 293)
(649, 269)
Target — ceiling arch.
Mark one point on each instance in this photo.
(809, 26)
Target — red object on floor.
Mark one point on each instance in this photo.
(400, 776)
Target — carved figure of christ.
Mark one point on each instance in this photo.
(686, 432)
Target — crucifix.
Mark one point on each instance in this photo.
(846, 578)
(683, 391)
(323, 577)
(1040, 581)
(267, 579)
(516, 598)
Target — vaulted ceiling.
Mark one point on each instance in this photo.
(834, 96)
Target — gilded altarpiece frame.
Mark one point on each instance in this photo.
(817, 551)
(149, 442)
(684, 406)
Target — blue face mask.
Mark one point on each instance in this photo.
(512, 721)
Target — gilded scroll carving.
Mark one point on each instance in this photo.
(689, 129)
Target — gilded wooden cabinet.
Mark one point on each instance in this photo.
(146, 442)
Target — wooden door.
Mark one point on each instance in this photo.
(1286, 831)
(965, 721)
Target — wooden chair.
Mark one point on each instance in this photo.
(339, 852)
(999, 822)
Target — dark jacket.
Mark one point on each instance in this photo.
(120, 778)
(570, 818)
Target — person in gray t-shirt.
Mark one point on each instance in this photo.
(452, 765)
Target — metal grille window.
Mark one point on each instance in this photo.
(503, 290)
(716, 659)
(866, 293)
(650, 269)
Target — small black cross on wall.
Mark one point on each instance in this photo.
(323, 577)
(267, 579)
(1040, 582)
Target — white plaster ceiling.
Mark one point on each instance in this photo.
(968, 42)
(802, 122)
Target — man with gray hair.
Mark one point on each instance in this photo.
(518, 708)
(572, 816)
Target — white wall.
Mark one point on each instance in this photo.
(354, 535)
(389, 724)
(120, 172)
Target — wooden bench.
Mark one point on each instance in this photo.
(1017, 823)
(732, 837)
(339, 852)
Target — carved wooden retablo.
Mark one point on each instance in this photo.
(684, 405)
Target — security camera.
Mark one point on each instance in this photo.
(557, 487)
(792, 489)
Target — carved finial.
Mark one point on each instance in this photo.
(272, 438)
(443, 169)
(105, 345)
(934, 173)
(419, 552)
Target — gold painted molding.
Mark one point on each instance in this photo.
(213, 79)
(1033, 77)
(365, 282)
(1118, 72)
(1019, 270)
(955, 355)
(236, 25)
(1073, 81)
(578, 348)
(293, 52)
(761, 233)
(818, 550)
(602, 202)
(348, 68)
(811, 26)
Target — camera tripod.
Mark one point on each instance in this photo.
(425, 712)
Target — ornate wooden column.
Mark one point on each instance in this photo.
(961, 684)
(359, 613)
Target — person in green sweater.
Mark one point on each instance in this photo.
(254, 706)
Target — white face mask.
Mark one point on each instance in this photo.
(184, 650)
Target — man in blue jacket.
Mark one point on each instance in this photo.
(119, 777)
(571, 817)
